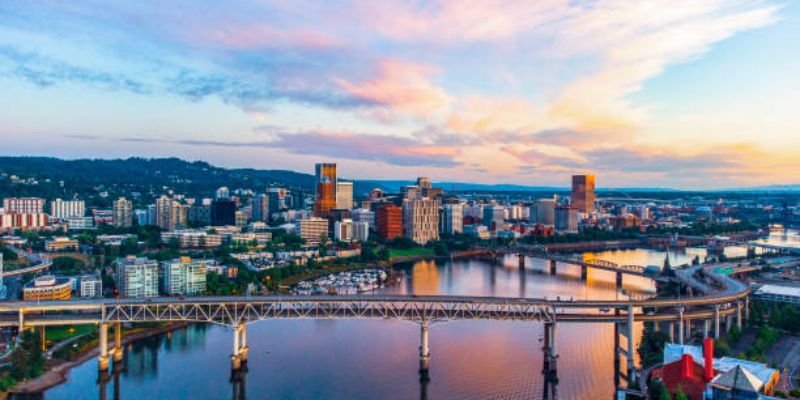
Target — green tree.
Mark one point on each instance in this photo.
(663, 394)
(651, 347)
(680, 395)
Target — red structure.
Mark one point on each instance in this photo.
(708, 356)
(389, 221)
(684, 374)
(688, 375)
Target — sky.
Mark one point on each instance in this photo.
(696, 94)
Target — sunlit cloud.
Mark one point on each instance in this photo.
(495, 89)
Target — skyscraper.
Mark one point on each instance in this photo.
(344, 195)
(164, 213)
(583, 193)
(261, 208)
(122, 213)
(421, 220)
(325, 185)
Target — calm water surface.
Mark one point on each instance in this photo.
(376, 359)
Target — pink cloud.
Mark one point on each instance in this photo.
(260, 36)
(402, 87)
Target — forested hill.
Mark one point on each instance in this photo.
(88, 179)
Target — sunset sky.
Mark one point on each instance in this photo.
(683, 94)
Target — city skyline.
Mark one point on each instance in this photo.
(645, 96)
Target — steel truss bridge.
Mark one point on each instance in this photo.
(726, 303)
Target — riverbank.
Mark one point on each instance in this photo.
(59, 373)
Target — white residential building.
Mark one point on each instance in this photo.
(343, 230)
(184, 276)
(137, 277)
(91, 286)
(63, 209)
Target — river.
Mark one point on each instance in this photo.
(377, 359)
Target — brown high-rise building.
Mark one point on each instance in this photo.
(325, 185)
(583, 193)
(389, 221)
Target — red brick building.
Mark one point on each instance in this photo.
(389, 221)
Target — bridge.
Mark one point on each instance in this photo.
(45, 264)
(721, 304)
(523, 251)
(749, 244)
(239, 311)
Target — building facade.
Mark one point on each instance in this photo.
(91, 286)
(494, 217)
(566, 219)
(137, 277)
(325, 185)
(583, 193)
(389, 221)
(261, 208)
(184, 277)
(421, 220)
(62, 209)
(47, 287)
(122, 213)
(453, 219)
(343, 230)
(344, 195)
(23, 205)
(313, 230)
(223, 212)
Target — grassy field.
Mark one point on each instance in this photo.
(58, 333)
(415, 252)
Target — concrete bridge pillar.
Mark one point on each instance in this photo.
(102, 360)
(728, 323)
(680, 325)
(550, 367)
(239, 355)
(619, 280)
(671, 329)
(656, 326)
(118, 350)
(521, 258)
(424, 351)
(706, 328)
(739, 315)
(631, 365)
(716, 321)
(747, 309)
(552, 267)
(243, 349)
(688, 335)
(584, 272)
